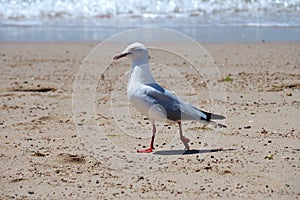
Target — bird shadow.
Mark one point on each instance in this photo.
(189, 152)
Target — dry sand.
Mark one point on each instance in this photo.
(44, 155)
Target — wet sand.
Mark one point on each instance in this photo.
(45, 154)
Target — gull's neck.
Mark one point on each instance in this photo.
(140, 75)
(140, 72)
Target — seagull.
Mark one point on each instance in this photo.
(156, 102)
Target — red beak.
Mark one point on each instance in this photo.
(121, 55)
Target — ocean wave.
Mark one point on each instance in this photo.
(29, 9)
(260, 13)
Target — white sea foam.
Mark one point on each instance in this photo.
(96, 20)
(258, 12)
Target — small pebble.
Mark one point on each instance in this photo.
(247, 127)
(270, 157)
(288, 93)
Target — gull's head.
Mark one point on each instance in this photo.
(135, 51)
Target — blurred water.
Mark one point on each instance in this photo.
(251, 12)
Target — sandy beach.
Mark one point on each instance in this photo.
(45, 153)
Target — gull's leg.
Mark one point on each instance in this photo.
(184, 140)
(150, 149)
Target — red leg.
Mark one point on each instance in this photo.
(150, 149)
(184, 140)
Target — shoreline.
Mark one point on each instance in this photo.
(211, 33)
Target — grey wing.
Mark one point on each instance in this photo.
(189, 112)
(176, 109)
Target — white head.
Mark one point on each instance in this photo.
(136, 51)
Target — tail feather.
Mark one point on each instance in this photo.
(215, 116)
(210, 116)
